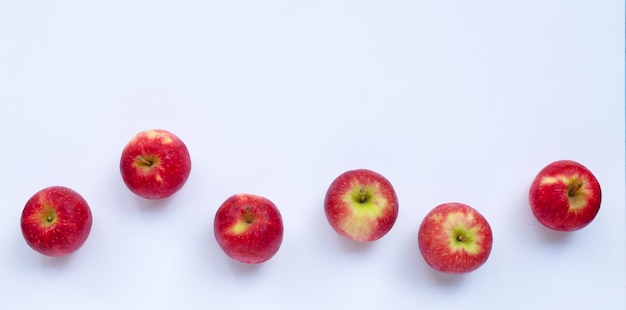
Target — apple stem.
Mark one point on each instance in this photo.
(460, 238)
(362, 196)
(572, 191)
(248, 215)
(144, 161)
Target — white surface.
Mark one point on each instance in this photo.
(451, 100)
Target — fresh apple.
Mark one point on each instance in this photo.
(155, 164)
(361, 205)
(454, 238)
(56, 221)
(565, 196)
(248, 228)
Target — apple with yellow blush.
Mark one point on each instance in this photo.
(455, 238)
(361, 205)
(565, 196)
(248, 228)
(155, 164)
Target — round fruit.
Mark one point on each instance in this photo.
(455, 238)
(565, 196)
(155, 164)
(361, 205)
(248, 228)
(56, 221)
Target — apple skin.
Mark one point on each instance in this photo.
(361, 205)
(56, 221)
(455, 238)
(155, 164)
(248, 228)
(565, 196)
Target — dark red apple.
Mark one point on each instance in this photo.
(455, 238)
(56, 221)
(361, 205)
(248, 228)
(565, 196)
(155, 164)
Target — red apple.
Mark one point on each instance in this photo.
(454, 238)
(56, 221)
(248, 228)
(361, 205)
(565, 196)
(155, 164)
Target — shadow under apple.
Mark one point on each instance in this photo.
(50, 262)
(552, 237)
(438, 277)
(243, 269)
(351, 246)
(152, 206)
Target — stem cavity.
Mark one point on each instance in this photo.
(362, 196)
(248, 215)
(573, 189)
(143, 161)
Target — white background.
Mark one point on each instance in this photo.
(450, 100)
